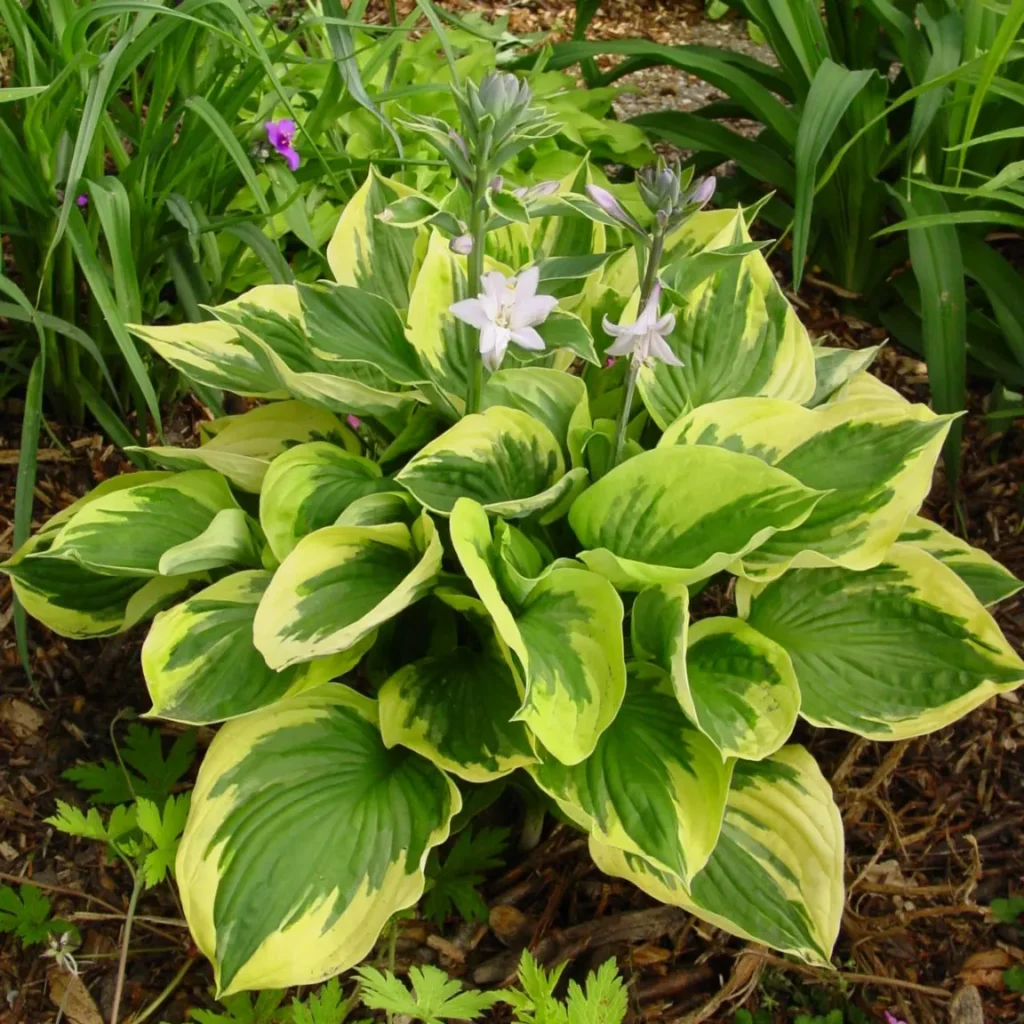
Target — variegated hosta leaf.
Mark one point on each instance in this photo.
(736, 335)
(874, 458)
(737, 686)
(654, 785)
(990, 581)
(776, 875)
(352, 325)
(232, 538)
(125, 532)
(833, 367)
(379, 509)
(340, 583)
(457, 710)
(502, 458)
(367, 253)
(895, 651)
(269, 323)
(308, 487)
(556, 399)
(77, 602)
(566, 634)
(212, 353)
(305, 835)
(445, 345)
(201, 664)
(241, 448)
(867, 385)
(681, 514)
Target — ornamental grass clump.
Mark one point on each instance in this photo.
(453, 543)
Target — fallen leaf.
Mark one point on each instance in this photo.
(985, 969)
(965, 1007)
(69, 991)
(22, 719)
(647, 954)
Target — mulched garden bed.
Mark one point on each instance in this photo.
(935, 826)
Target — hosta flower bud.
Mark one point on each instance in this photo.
(461, 245)
(611, 206)
(702, 193)
(659, 187)
(539, 191)
(497, 183)
(501, 94)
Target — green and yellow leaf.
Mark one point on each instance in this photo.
(341, 582)
(306, 834)
(367, 253)
(737, 686)
(653, 786)
(201, 665)
(776, 874)
(457, 710)
(834, 367)
(895, 651)
(502, 458)
(241, 448)
(566, 635)
(126, 532)
(679, 514)
(875, 460)
(308, 487)
(231, 539)
(736, 335)
(990, 581)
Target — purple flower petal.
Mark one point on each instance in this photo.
(353, 421)
(280, 135)
(82, 200)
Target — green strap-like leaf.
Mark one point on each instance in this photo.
(340, 583)
(502, 458)
(892, 652)
(776, 874)
(990, 581)
(681, 514)
(566, 634)
(201, 665)
(653, 786)
(305, 827)
(457, 710)
(875, 458)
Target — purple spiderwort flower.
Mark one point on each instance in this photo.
(891, 1018)
(353, 421)
(82, 200)
(280, 135)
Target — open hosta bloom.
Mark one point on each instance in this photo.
(508, 309)
(644, 339)
(379, 619)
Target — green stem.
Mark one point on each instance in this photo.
(650, 277)
(133, 902)
(475, 268)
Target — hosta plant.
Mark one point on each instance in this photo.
(459, 538)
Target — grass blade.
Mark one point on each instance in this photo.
(832, 91)
(232, 146)
(939, 268)
(111, 203)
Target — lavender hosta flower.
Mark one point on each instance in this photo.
(461, 245)
(644, 339)
(508, 309)
(280, 135)
(611, 206)
(701, 194)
